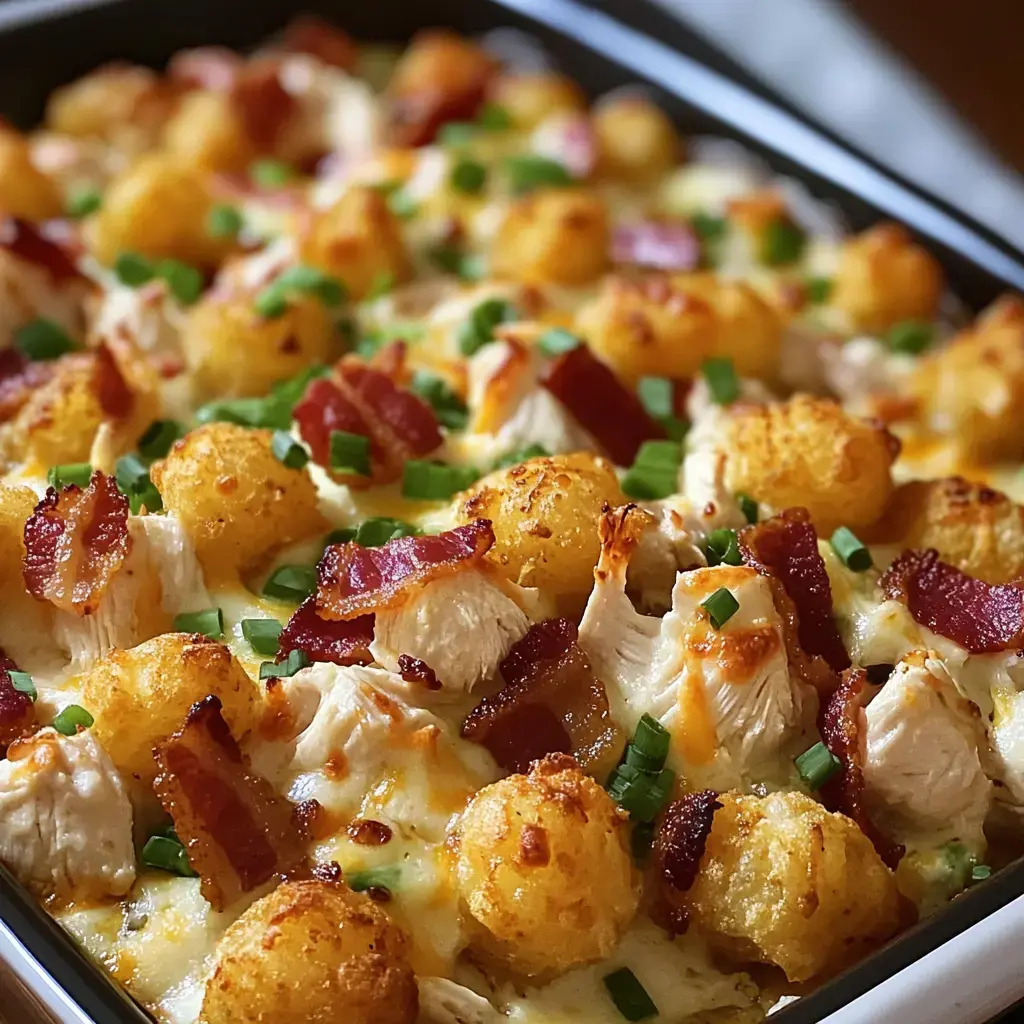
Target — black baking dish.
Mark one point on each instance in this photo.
(603, 46)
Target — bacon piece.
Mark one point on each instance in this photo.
(840, 722)
(238, 832)
(17, 712)
(19, 377)
(75, 543)
(683, 836)
(785, 548)
(363, 400)
(335, 640)
(312, 35)
(353, 580)
(262, 102)
(27, 242)
(981, 617)
(602, 404)
(551, 703)
(115, 396)
(206, 67)
(664, 245)
(412, 670)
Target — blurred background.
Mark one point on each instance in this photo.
(933, 89)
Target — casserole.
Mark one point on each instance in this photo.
(934, 222)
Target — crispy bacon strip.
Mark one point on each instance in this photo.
(238, 832)
(683, 837)
(785, 548)
(263, 104)
(552, 703)
(336, 640)
(75, 543)
(361, 400)
(840, 722)
(17, 712)
(312, 35)
(19, 377)
(353, 581)
(602, 404)
(981, 617)
(115, 396)
(27, 242)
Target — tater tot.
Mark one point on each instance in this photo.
(784, 881)
(358, 240)
(236, 500)
(553, 236)
(978, 530)
(158, 207)
(808, 452)
(973, 390)
(637, 140)
(544, 869)
(24, 190)
(232, 351)
(207, 132)
(545, 513)
(140, 696)
(312, 951)
(884, 277)
(529, 98)
(16, 505)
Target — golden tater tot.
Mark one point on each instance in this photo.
(529, 98)
(637, 140)
(24, 190)
(207, 132)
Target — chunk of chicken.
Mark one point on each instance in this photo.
(670, 544)
(65, 819)
(459, 626)
(725, 694)
(922, 770)
(28, 291)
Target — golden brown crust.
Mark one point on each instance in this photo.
(637, 140)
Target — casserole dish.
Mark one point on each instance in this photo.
(977, 266)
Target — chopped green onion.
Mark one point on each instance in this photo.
(723, 548)
(402, 205)
(467, 266)
(167, 854)
(655, 471)
(850, 550)
(156, 440)
(641, 792)
(448, 407)
(273, 411)
(748, 507)
(311, 281)
(435, 481)
(133, 269)
(287, 450)
(69, 720)
(642, 840)
(185, 282)
(271, 302)
(42, 340)
(342, 535)
(817, 765)
(493, 118)
(709, 227)
(819, 289)
(262, 635)
(83, 201)
(980, 872)
(657, 396)
(456, 134)
(910, 337)
(516, 458)
(132, 476)
(528, 171)
(69, 474)
(478, 329)
(557, 340)
(382, 283)
(721, 606)
(468, 176)
(720, 377)
(148, 497)
(385, 877)
(652, 740)
(294, 662)
(783, 243)
(376, 532)
(350, 453)
(293, 583)
(209, 622)
(629, 996)
(271, 173)
(224, 221)
(23, 683)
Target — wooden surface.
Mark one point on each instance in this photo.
(17, 1004)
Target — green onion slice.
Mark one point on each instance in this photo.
(641, 792)
(77, 474)
(376, 532)
(467, 266)
(817, 765)
(720, 377)
(292, 583)
(42, 340)
(271, 173)
(721, 606)
(83, 201)
(449, 409)
(531, 451)
(295, 662)
(435, 481)
(23, 683)
(468, 176)
(209, 622)
(641, 841)
(167, 854)
(71, 718)
(655, 471)
(527, 172)
(262, 635)
(819, 289)
(493, 118)
(456, 134)
(783, 243)
(382, 283)
(557, 340)
(132, 476)
(224, 221)
(271, 303)
(748, 507)
(287, 450)
(402, 205)
(723, 548)
(311, 281)
(185, 282)
(350, 453)
(910, 337)
(384, 877)
(133, 269)
(478, 329)
(158, 437)
(980, 872)
(629, 996)
(851, 551)
(652, 740)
